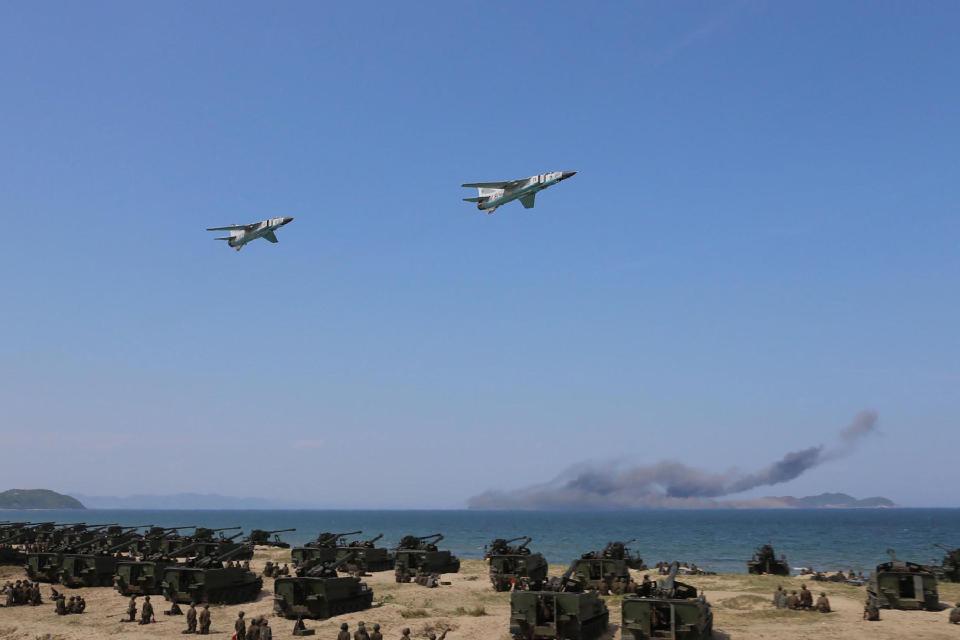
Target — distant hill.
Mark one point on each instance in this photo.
(833, 501)
(37, 499)
(185, 501)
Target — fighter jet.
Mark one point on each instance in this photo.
(241, 234)
(494, 194)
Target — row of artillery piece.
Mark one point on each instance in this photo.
(896, 584)
(572, 606)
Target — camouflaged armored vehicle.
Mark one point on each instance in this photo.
(365, 556)
(318, 592)
(94, 569)
(765, 561)
(949, 569)
(323, 549)
(561, 610)
(145, 577)
(415, 557)
(903, 585)
(666, 609)
(514, 566)
(45, 566)
(608, 570)
(211, 579)
(262, 538)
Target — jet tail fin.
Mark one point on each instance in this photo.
(477, 199)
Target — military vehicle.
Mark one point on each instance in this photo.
(561, 610)
(415, 557)
(323, 549)
(44, 566)
(318, 592)
(903, 585)
(608, 570)
(765, 561)
(331, 547)
(515, 567)
(209, 579)
(13, 539)
(666, 609)
(152, 540)
(261, 537)
(949, 569)
(93, 569)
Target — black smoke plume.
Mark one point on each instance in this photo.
(667, 484)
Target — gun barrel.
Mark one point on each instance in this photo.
(438, 536)
(280, 531)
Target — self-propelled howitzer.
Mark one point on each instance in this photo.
(365, 556)
(45, 566)
(949, 569)
(561, 610)
(515, 567)
(261, 537)
(666, 609)
(145, 577)
(208, 580)
(318, 592)
(419, 556)
(92, 569)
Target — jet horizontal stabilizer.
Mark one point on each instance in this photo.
(478, 199)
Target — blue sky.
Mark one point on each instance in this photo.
(761, 241)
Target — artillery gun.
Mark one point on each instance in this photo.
(765, 562)
(949, 569)
(261, 537)
(14, 537)
(153, 538)
(515, 567)
(323, 549)
(666, 609)
(365, 556)
(171, 546)
(93, 569)
(415, 557)
(208, 579)
(44, 566)
(607, 570)
(903, 585)
(145, 576)
(318, 592)
(560, 610)
(617, 550)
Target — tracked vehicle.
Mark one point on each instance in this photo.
(666, 609)
(903, 585)
(318, 592)
(765, 561)
(949, 569)
(93, 569)
(515, 567)
(45, 566)
(261, 537)
(323, 549)
(561, 610)
(416, 557)
(145, 577)
(211, 580)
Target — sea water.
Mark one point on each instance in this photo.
(720, 540)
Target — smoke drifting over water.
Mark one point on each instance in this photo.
(669, 484)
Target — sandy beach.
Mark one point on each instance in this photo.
(471, 609)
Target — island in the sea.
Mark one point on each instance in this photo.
(37, 499)
(831, 501)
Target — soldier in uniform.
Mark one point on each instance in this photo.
(823, 604)
(35, 597)
(361, 632)
(191, 619)
(253, 633)
(406, 635)
(266, 633)
(268, 569)
(61, 605)
(81, 604)
(344, 632)
(240, 626)
(299, 627)
(806, 597)
(793, 602)
(870, 611)
(205, 620)
(955, 614)
(146, 611)
(433, 636)
(72, 604)
(376, 635)
(780, 597)
(132, 609)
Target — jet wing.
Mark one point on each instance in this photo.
(271, 236)
(233, 227)
(506, 184)
(527, 200)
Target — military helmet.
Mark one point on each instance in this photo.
(343, 625)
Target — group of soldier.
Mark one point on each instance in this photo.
(801, 601)
(271, 570)
(21, 592)
(362, 634)
(147, 615)
(76, 604)
(259, 628)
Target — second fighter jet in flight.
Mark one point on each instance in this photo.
(241, 234)
(491, 195)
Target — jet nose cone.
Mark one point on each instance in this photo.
(287, 219)
(567, 174)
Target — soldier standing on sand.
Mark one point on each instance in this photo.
(205, 620)
(376, 635)
(240, 626)
(266, 633)
(823, 604)
(254, 632)
(780, 597)
(146, 611)
(132, 609)
(870, 611)
(955, 614)
(191, 619)
(361, 632)
(344, 632)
